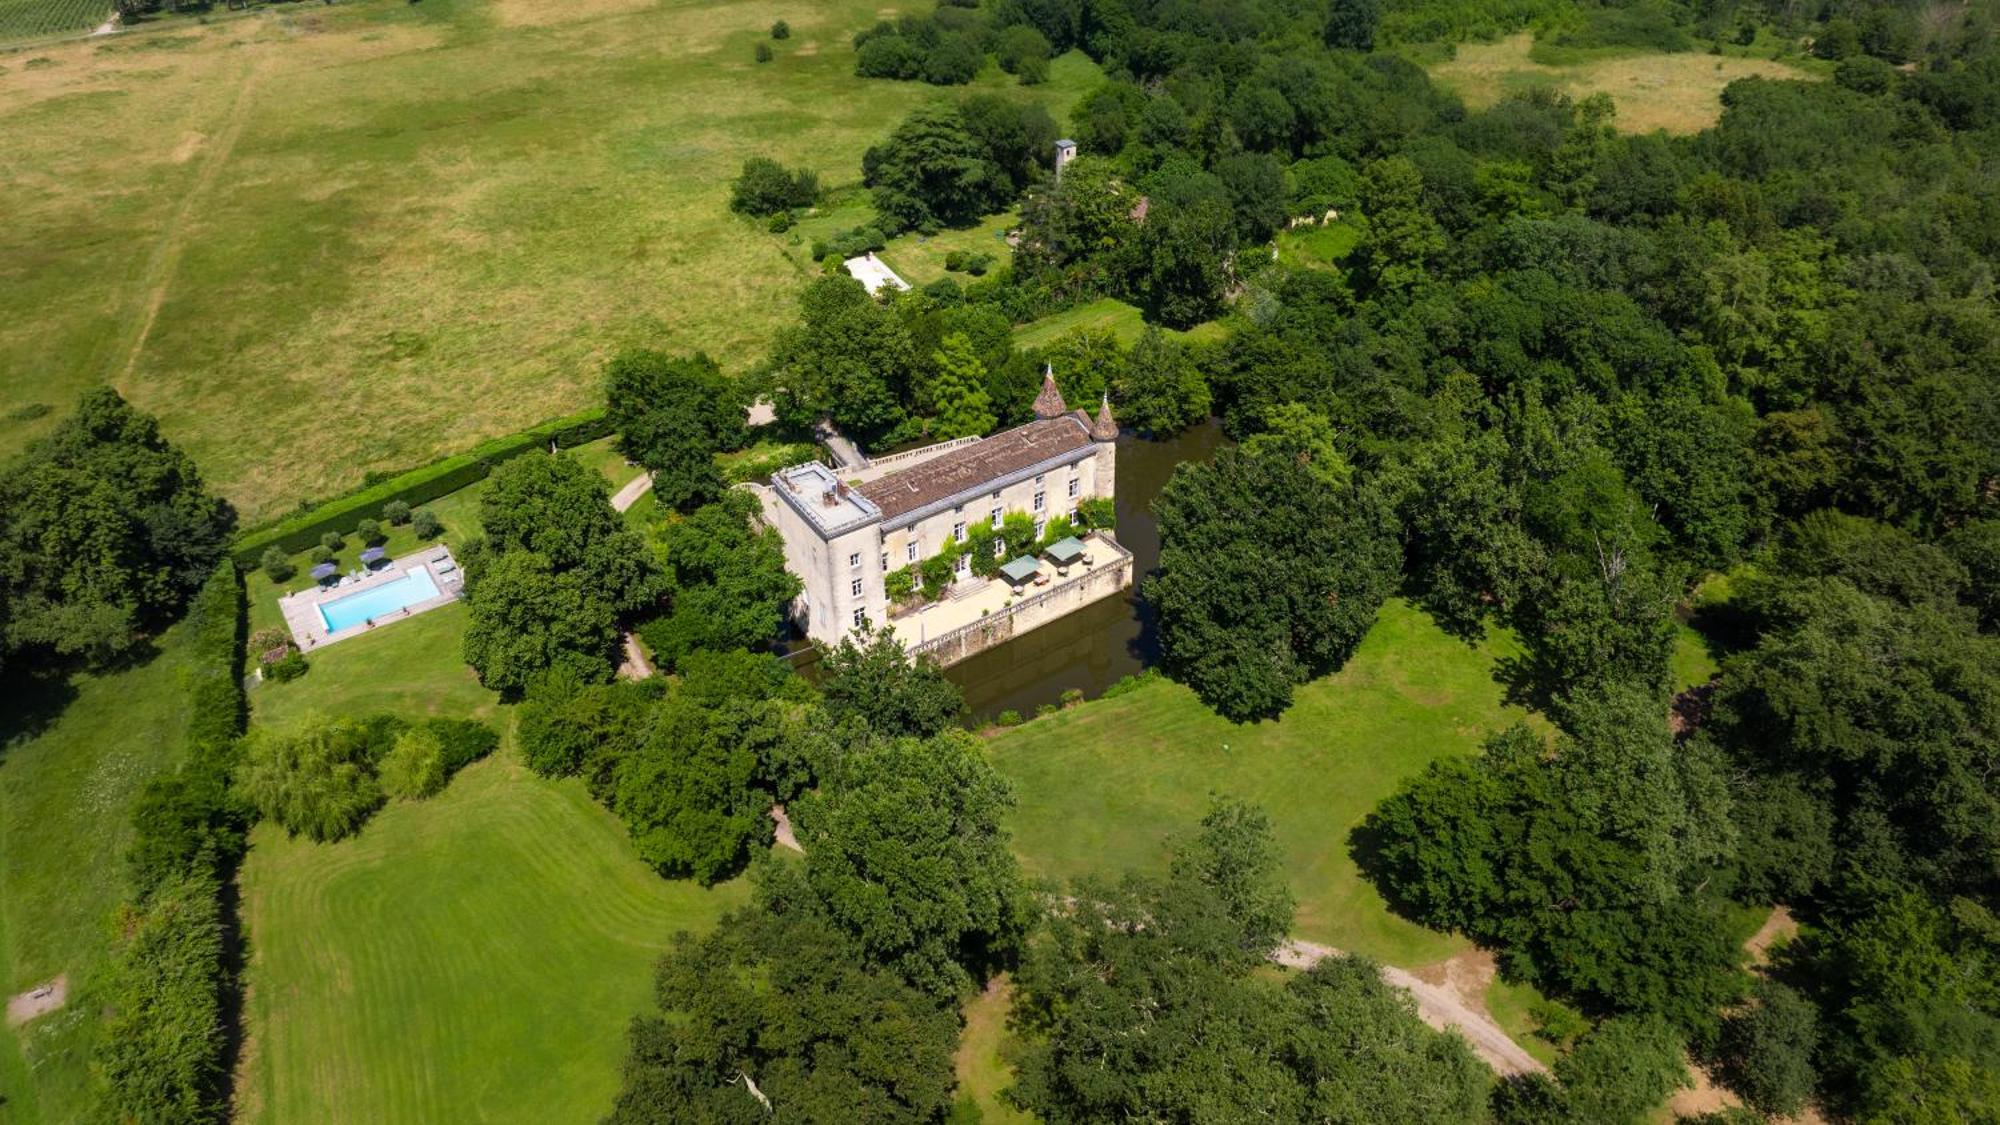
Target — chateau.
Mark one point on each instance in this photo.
(845, 531)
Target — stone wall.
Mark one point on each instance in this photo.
(1029, 613)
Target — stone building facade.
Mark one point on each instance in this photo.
(842, 539)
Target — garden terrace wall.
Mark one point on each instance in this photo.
(302, 530)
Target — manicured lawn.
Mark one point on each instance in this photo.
(1101, 786)
(321, 240)
(920, 260)
(474, 957)
(1680, 93)
(65, 801)
(412, 667)
(1124, 321)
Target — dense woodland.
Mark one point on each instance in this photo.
(1571, 382)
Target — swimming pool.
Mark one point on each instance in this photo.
(357, 609)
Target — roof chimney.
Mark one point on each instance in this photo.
(1049, 404)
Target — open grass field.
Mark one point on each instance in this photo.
(1124, 321)
(473, 957)
(1680, 93)
(65, 799)
(323, 240)
(1102, 786)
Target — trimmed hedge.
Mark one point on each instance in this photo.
(302, 530)
(161, 1056)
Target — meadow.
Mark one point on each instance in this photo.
(325, 240)
(65, 795)
(1103, 787)
(1679, 93)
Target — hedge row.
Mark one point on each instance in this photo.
(302, 530)
(161, 1054)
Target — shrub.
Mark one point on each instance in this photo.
(396, 513)
(369, 532)
(277, 564)
(414, 767)
(286, 668)
(781, 30)
(159, 1056)
(300, 530)
(780, 223)
(424, 523)
(899, 584)
(289, 667)
(763, 52)
(1098, 512)
(331, 542)
(1020, 44)
(954, 260)
(319, 780)
(320, 555)
(937, 572)
(1032, 71)
(1044, 710)
(1072, 697)
(766, 187)
(978, 264)
(1127, 684)
(463, 741)
(1009, 718)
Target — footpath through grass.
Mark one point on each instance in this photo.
(322, 240)
(65, 821)
(473, 957)
(1101, 786)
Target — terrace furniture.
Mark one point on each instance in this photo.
(373, 555)
(1066, 551)
(324, 571)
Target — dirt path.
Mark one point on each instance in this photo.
(635, 666)
(629, 495)
(786, 836)
(165, 260)
(1438, 1005)
(39, 1000)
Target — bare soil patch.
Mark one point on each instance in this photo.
(39, 1000)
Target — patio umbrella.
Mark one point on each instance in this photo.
(325, 571)
(373, 555)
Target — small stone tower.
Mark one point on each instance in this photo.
(1065, 152)
(1049, 403)
(1105, 432)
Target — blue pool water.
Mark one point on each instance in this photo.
(355, 609)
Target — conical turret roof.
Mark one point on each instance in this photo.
(1106, 427)
(1049, 404)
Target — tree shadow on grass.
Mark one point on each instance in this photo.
(33, 702)
(1365, 843)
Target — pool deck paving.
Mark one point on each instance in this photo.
(308, 627)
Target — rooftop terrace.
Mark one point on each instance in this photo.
(826, 501)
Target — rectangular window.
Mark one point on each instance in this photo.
(964, 564)
(885, 562)
(997, 512)
(1041, 500)
(999, 547)
(854, 560)
(911, 550)
(860, 619)
(854, 587)
(958, 532)
(1041, 526)
(1039, 477)
(1075, 486)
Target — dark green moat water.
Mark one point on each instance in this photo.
(1103, 642)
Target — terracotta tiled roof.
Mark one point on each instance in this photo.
(1049, 403)
(970, 468)
(1106, 427)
